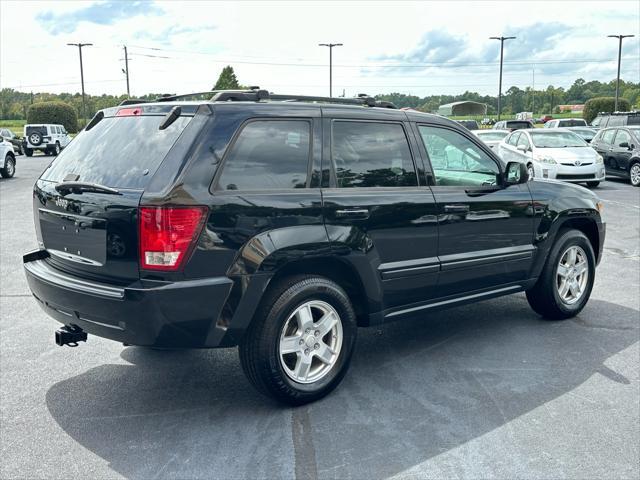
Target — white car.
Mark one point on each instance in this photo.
(49, 138)
(491, 137)
(566, 122)
(556, 154)
(7, 158)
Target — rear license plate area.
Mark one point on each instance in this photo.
(78, 238)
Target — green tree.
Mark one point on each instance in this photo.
(54, 112)
(227, 80)
(603, 104)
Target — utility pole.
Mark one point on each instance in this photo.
(502, 39)
(619, 37)
(330, 45)
(126, 68)
(533, 91)
(80, 45)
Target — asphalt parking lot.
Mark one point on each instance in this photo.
(483, 391)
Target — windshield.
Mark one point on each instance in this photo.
(490, 136)
(585, 133)
(556, 140)
(121, 152)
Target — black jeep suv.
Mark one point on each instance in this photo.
(280, 224)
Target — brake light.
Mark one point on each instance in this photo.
(129, 112)
(167, 235)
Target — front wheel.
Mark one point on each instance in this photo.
(9, 167)
(634, 174)
(299, 345)
(56, 149)
(565, 283)
(593, 184)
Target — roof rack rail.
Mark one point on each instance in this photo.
(255, 94)
(132, 101)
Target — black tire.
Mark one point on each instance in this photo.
(544, 297)
(10, 167)
(531, 171)
(56, 149)
(35, 138)
(634, 173)
(593, 184)
(28, 152)
(259, 350)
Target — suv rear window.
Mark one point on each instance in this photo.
(572, 123)
(516, 124)
(120, 152)
(41, 130)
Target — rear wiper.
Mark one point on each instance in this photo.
(79, 187)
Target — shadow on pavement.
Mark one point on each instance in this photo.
(415, 390)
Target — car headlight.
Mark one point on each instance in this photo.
(544, 159)
(599, 159)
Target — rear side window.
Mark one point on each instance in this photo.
(268, 154)
(120, 152)
(368, 154)
(607, 137)
(633, 120)
(616, 121)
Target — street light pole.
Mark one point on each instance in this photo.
(502, 39)
(80, 45)
(126, 68)
(619, 37)
(330, 45)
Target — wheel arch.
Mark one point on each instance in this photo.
(588, 227)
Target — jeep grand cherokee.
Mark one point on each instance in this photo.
(281, 224)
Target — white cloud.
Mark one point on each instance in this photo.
(274, 45)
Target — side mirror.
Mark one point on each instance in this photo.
(624, 145)
(515, 173)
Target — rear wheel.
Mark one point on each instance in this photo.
(565, 283)
(28, 152)
(56, 149)
(593, 184)
(9, 167)
(634, 174)
(299, 345)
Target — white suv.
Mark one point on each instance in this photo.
(7, 158)
(47, 137)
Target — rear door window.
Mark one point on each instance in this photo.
(268, 154)
(607, 137)
(371, 154)
(119, 152)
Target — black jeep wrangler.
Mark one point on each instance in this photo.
(281, 224)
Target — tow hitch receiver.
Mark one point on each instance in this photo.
(70, 335)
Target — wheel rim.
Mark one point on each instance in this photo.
(531, 172)
(572, 275)
(57, 149)
(10, 167)
(310, 342)
(635, 174)
(34, 138)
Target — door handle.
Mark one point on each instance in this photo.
(456, 208)
(353, 213)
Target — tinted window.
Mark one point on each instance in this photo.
(633, 120)
(622, 137)
(119, 152)
(607, 136)
(616, 121)
(268, 154)
(371, 155)
(572, 122)
(516, 124)
(456, 160)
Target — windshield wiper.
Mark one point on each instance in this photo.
(79, 187)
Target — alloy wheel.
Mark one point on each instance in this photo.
(310, 342)
(634, 173)
(572, 275)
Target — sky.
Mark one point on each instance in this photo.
(417, 48)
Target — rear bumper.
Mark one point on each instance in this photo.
(151, 313)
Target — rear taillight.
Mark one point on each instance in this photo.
(167, 235)
(129, 112)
